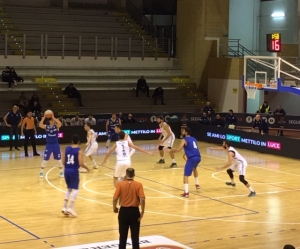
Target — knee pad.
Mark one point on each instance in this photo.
(242, 179)
(230, 173)
(160, 147)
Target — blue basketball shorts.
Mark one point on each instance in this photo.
(52, 148)
(112, 135)
(72, 178)
(191, 164)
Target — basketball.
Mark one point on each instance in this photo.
(48, 114)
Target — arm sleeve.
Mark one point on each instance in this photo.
(141, 192)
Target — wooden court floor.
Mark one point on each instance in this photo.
(216, 216)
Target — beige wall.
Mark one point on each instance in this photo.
(197, 19)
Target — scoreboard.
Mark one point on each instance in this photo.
(274, 42)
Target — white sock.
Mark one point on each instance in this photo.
(68, 193)
(251, 189)
(173, 161)
(197, 180)
(107, 143)
(42, 170)
(186, 188)
(162, 158)
(60, 165)
(44, 164)
(132, 152)
(94, 162)
(75, 193)
(232, 180)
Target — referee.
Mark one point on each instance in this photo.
(131, 194)
(13, 120)
(29, 132)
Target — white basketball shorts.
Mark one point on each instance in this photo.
(121, 166)
(240, 168)
(91, 149)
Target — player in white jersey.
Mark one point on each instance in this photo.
(236, 163)
(118, 128)
(91, 144)
(165, 141)
(122, 148)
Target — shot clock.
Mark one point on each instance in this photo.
(274, 42)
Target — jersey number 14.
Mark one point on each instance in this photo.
(70, 159)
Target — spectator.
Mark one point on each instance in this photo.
(13, 120)
(142, 85)
(130, 119)
(33, 99)
(72, 92)
(23, 102)
(265, 108)
(123, 120)
(230, 120)
(90, 120)
(35, 108)
(279, 114)
(289, 247)
(62, 120)
(38, 117)
(28, 129)
(158, 94)
(77, 121)
(14, 76)
(218, 121)
(204, 119)
(261, 124)
(6, 77)
(208, 109)
(131, 194)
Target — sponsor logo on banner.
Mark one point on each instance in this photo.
(195, 118)
(153, 119)
(249, 119)
(294, 122)
(274, 145)
(150, 242)
(271, 120)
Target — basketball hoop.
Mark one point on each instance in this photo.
(251, 89)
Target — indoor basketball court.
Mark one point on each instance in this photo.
(216, 216)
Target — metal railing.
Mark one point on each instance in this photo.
(49, 45)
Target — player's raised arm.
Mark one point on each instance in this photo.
(131, 145)
(229, 162)
(57, 122)
(41, 124)
(182, 144)
(112, 149)
(80, 160)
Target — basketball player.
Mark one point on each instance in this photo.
(110, 129)
(165, 140)
(118, 128)
(52, 146)
(91, 144)
(190, 146)
(72, 160)
(122, 148)
(236, 163)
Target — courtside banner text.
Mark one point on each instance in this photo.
(150, 242)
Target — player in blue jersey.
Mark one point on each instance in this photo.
(72, 160)
(110, 129)
(192, 153)
(51, 127)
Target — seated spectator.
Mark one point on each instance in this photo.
(142, 85)
(36, 109)
(130, 119)
(289, 247)
(230, 120)
(265, 108)
(63, 121)
(72, 92)
(279, 114)
(33, 99)
(204, 119)
(77, 121)
(261, 124)
(208, 109)
(14, 76)
(218, 121)
(23, 103)
(6, 77)
(90, 120)
(158, 94)
(123, 120)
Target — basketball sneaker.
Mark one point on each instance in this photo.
(173, 165)
(197, 186)
(96, 166)
(61, 174)
(230, 184)
(252, 194)
(185, 195)
(64, 211)
(161, 161)
(41, 174)
(71, 211)
(83, 170)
